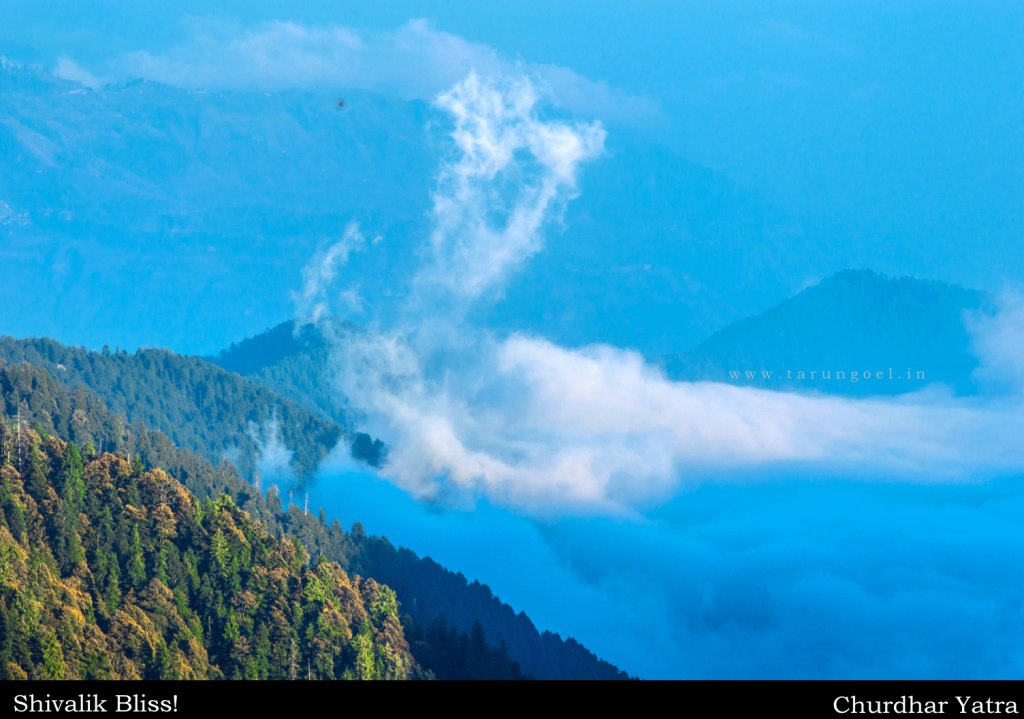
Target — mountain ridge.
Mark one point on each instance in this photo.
(111, 571)
(219, 199)
(173, 392)
(441, 620)
(855, 321)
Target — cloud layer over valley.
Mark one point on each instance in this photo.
(545, 428)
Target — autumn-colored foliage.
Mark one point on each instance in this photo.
(108, 570)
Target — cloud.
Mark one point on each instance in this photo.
(755, 576)
(489, 212)
(543, 428)
(312, 302)
(540, 427)
(68, 69)
(814, 580)
(412, 61)
(997, 339)
(274, 459)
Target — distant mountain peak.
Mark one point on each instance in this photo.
(278, 343)
(855, 321)
(863, 275)
(855, 274)
(269, 347)
(12, 70)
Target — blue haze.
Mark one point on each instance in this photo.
(829, 136)
(765, 578)
(790, 140)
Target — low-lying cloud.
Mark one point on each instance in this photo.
(816, 580)
(529, 424)
(414, 61)
(762, 575)
(997, 342)
(273, 458)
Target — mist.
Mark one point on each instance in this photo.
(679, 529)
(542, 428)
(500, 334)
(746, 575)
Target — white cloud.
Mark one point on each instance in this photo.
(412, 61)
(274, 459)
(545, 428)
(489, 209)
(312, 302)
(542, 427)
(998, 339)
(68, 69)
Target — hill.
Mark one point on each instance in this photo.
(113, 572)
(456, 629)
(218, 199)
(857, 323)
(293, 363)
(196, 403)
(270, 347)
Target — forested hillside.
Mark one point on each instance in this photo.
(274, 345)
(295, 363)
(429, 590)
(455, 629)
(194, 402)
(112, 571)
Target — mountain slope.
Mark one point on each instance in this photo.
(428, 590)
(857, 323)
(456, 629)
(110, 572)
(295, 364)
(194, 402)
(270, 347)
(219, 199)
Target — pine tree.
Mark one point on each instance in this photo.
(136, 560)
(220, 551)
